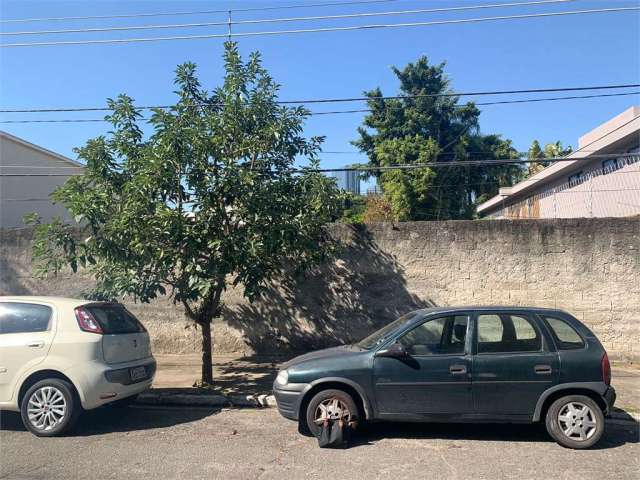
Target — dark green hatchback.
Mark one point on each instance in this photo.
(459, 364)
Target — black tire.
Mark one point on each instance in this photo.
(568, 408)
(66, 420)
(322, 396)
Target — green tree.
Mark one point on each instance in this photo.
(209, 200)
(551, 150)
(422, 128)
(353, 208)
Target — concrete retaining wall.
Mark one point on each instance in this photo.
(589, 267)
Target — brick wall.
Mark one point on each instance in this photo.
(589, 267)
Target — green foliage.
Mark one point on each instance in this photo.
(209, 199)
(353, 209)
(432, 129)
(551, 150)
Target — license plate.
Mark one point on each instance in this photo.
(138, 373)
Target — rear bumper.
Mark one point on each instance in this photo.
(610, 399)
(99, 383)
(288, 398)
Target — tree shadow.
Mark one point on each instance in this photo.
(615, 435)
(251, 375)
(11, 281)
(340, 302)
(108, 419)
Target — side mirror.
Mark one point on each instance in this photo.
(395, 350)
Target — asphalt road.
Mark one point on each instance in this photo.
(193, 443)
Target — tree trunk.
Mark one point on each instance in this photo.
(207, 361)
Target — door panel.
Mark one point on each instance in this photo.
(508, 384)
(512, 365)
(26, 333)
(423, 385)
(435, 376)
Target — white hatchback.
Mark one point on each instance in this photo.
(60, 356)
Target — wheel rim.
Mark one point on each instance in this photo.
(577, 421)
(47, 408)
(331, 409)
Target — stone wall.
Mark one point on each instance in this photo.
(589, 267)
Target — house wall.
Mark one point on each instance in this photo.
(589, 267)
(20, 195)
(603, 193)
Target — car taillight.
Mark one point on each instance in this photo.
(86, 321)
(606, 369)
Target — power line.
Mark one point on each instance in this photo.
(323, 29)
(335, 112)
(363, 99)
(282, 20)
(412, 166)
(364, 110)
(496, 160)
(199, 12)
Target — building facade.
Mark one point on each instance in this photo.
(347, 180)
(28, 175)
(599, 179)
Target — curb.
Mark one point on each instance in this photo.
(206, 400)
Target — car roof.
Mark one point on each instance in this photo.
(60, 301)
(484, 308)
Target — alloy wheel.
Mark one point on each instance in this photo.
(331, 409)
(47, 408)
(577, 421)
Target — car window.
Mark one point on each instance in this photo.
(440, 336)
(507, 333)
(24, 317)
(565, 335)
(490, 329)
(523, 329)
(115, 319)
(379, 336)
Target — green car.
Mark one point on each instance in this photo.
(459, 364)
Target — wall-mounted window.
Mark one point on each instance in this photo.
(611, 165)
(576, 178)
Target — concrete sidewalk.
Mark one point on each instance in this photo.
(247, 381)
(232, 375)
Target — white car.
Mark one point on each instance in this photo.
(60, 356)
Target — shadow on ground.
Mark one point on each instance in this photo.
(252, 375)
(126, 419)
(342, 301)
(616, 433)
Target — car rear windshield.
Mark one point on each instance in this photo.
(115, 319)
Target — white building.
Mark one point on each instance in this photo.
(28, 175)
(586, 185)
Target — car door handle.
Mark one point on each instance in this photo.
(457, 369)
(35, 344)
(542, 369)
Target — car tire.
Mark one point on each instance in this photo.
(50, 407)
(575, 421)
(326, 397)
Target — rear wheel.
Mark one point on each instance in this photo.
(49, 407)
(575, 421)
(330, 405)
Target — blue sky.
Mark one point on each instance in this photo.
(520, 54)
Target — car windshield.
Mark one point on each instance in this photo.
(379, 336)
